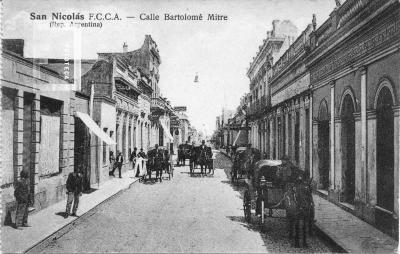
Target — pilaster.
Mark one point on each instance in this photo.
(364, 135)
(315, 157)
(271, 138)
(396, 120)
(338, 170)
(359, 178)
(18, 138)
(332, 137)
(287, 135)
(311, 136)
(36, 135)
(371, 196)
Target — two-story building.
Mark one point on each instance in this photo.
(289, 115)
(278, 40)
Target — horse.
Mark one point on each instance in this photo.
(157, 162)
(203, 160)
(299, 210)
(181, 155)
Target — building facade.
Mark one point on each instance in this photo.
(37, 130)
(331, 104)
(288, 118)
(281, 36)
(354, 70)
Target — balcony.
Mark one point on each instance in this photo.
(160, 106)
(258, 108)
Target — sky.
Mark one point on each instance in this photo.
(219, 51)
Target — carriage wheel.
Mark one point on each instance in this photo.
(247, 206)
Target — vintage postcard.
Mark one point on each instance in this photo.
(200, 126)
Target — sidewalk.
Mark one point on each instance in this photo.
(350, 232)
(46, 222)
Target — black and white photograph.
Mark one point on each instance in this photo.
(200, 126)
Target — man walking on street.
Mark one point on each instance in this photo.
(118, 164)
(74, 191)
(21, 194)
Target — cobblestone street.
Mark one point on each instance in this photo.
(186, 214)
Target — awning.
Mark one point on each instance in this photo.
(239, 134)
(88, 121)
(166, 131)
(237, 137)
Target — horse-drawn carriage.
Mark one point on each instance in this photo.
(160, 162)
(184, 153)
(203, 158)
(276, 184)
(244, 161)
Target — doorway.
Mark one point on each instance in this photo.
(348, 150)
(323, 146)
(385, 150)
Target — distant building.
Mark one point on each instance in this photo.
(278, 40)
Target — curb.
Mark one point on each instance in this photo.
(66, 228)
(325, 237)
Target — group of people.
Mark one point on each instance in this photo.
(116, 162)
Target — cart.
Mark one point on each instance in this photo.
(159, 164)
(265, 187)
(243, 162)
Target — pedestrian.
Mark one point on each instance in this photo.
(112, 162)
(21, 194)
(74, 191)
(118, 164)
(142, 154)
(133, 156)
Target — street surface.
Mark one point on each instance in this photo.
(186, 214)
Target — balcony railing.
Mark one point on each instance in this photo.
(158, 103)
(258, 107)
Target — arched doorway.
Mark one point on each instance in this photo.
(348, 149)
(385, 150)
(323, 145)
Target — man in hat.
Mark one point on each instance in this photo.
(158, 161)
(118, 164)
(133, 156)
(21, 194)
(74, 191)
(203, 156)
(142, 154)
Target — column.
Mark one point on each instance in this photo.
(287, 135)
(293, 125)
(271, 135)
(36, 135)
(311, 136)
(315, 158)
(332, 137)
(371, 170)
(19, 137)
(396, 120)
(363, 147)
(302, 138)
(276, 138)
(126, 137)
(338, 170)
